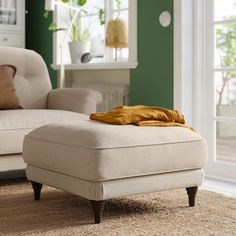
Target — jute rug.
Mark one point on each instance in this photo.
(164, 213)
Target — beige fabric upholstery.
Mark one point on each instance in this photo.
(95, 151)
(100, 161)
(15, 161)
(35, 93)
(115, 188)
(15, 124)
(86, 100)
(32, 81)
(98, 135)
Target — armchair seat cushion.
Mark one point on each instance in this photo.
(15, 124)
(95, 151)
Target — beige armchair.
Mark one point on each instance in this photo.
(41, 105)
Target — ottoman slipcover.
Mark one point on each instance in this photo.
(99, 161)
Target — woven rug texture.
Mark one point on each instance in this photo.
(162, 213)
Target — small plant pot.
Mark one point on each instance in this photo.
(77, 49)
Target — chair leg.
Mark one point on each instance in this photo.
(37, 190)
(192, 191)
(98, 207)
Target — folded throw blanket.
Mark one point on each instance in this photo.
(142, 116)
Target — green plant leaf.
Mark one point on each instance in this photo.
(81, 2)
(74, 33)
(52, 26)
(46, 14)
(65, 1)
(59, 29)
(118, 4)
(101, 16)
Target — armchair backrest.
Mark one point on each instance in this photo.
(32, 80)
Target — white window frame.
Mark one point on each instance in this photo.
(129, 64)
(189, 62)
(193, 64)
(227, 170)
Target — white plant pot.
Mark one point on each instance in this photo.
(77, 49)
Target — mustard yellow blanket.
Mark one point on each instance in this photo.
(142, 116)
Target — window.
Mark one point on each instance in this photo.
(221, 81)
(90, 20)
(220, 89)
(205, 77)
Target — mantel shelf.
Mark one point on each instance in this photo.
(98, 66)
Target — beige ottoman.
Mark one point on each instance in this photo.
(98, 161)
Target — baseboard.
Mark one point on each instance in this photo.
(219, 185)
(12, 174)
(220, 179)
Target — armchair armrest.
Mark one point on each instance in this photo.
(74, 99)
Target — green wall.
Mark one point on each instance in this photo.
(152, 81)
(38, 37)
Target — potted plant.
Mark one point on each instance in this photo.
(80, 42)
(80, 37)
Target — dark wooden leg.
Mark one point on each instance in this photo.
(98, 207)
(37, 190)
(192, 191)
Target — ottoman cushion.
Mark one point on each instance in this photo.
(95, 151)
